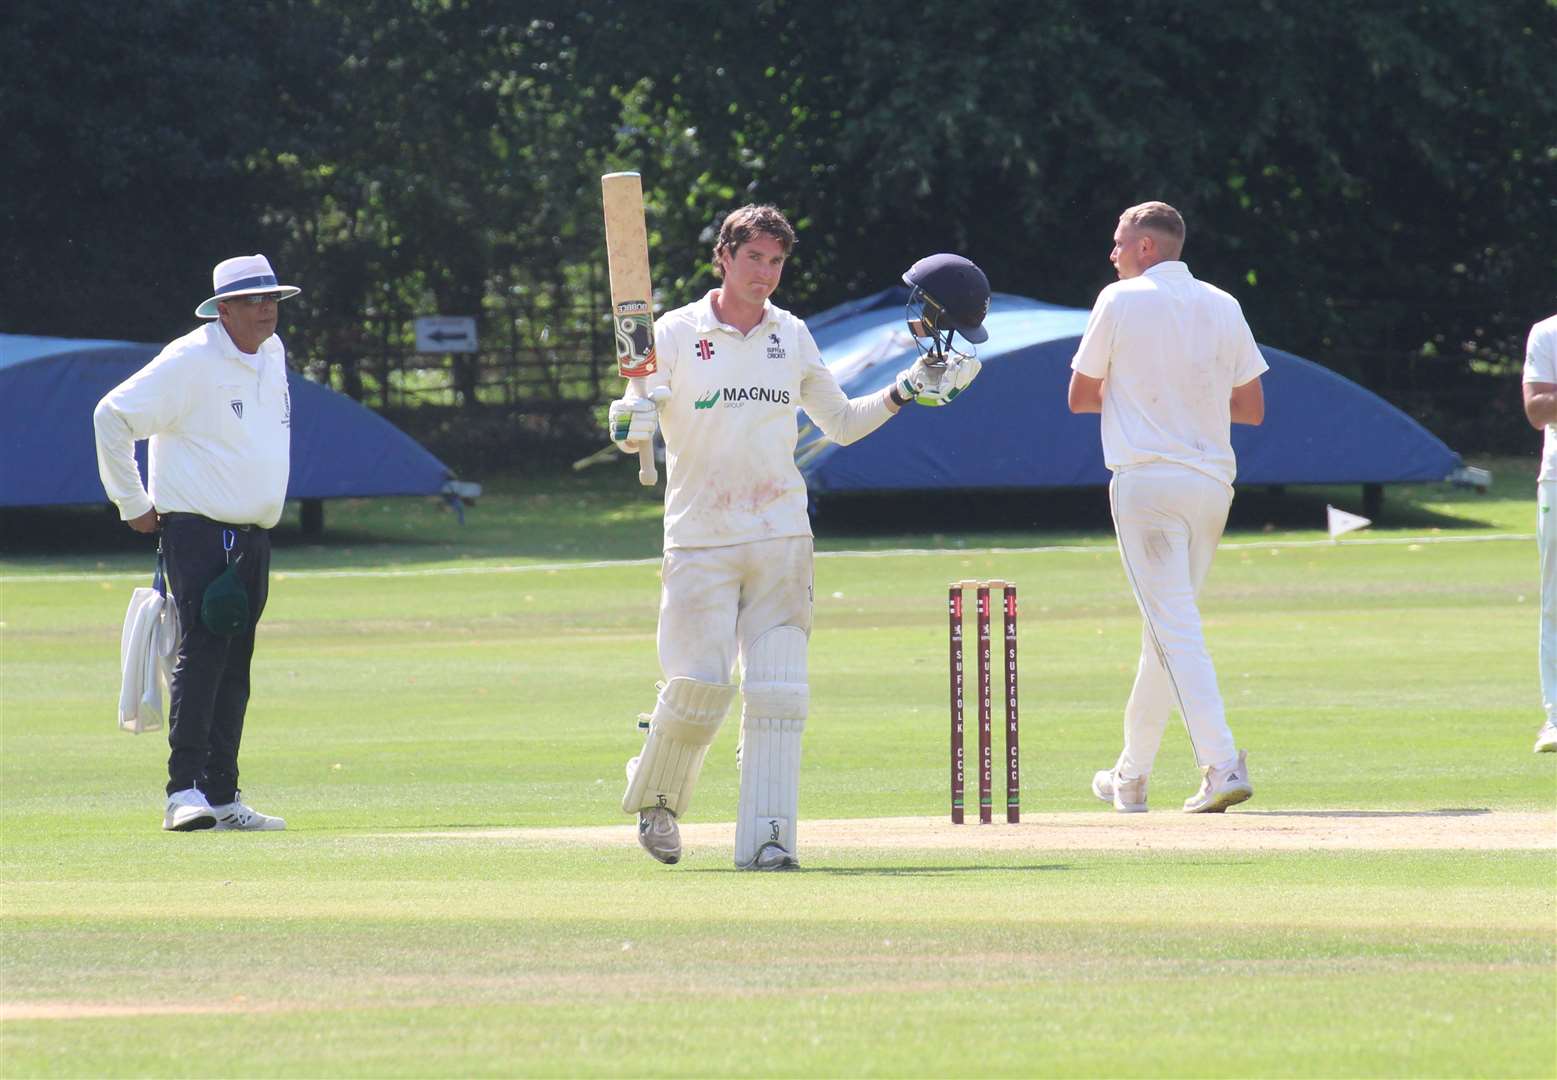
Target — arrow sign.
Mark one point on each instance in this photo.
(446, 334)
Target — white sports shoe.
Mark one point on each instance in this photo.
(1128, 796)
(1221, 788)
(773, 856)
(237, 815)
(659, 834)
(1546, 738)
(188, 811)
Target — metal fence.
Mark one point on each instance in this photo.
(550, 364)
(562, 359)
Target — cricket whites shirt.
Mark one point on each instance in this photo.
(219, 423)
(1169, 349)
(730, 423)
(1541, 367)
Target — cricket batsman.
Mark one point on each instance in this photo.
(737, 571)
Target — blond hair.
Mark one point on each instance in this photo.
(1162, 221)
(749, 221)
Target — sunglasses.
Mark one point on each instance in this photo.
(254, 299)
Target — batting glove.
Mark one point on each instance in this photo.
(937, 384)
(632, 423)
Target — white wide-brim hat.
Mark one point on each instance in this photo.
(245, 275)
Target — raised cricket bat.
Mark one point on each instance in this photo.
(632, 297)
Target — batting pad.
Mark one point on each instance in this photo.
(685, 720)
(776, 701)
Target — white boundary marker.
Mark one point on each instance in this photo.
(893, 553)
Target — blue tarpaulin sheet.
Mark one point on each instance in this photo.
(49, 387)
(1012, 428)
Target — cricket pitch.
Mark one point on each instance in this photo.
(1247, 830)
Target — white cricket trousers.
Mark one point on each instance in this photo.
(1169, 519)
(1546, 538)
(715, 602)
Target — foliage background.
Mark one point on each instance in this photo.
(1377, 182)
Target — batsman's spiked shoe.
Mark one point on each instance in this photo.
(659, 834)
(1127, 794)
(238, 816)
(1221, 788)
(773, 856)
(188, 811)
(1546, 738)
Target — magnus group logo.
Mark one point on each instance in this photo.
(736, 396)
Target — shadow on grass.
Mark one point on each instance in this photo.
(520, 516)
(1447, 812)
(83, 530)
(605, 514)
(1086, 510)
(887, 871)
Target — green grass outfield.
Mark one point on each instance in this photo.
(442, 713)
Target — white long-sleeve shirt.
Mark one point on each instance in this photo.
(1170, 349)
(730, 423)
(1541, 367)
(219, 423)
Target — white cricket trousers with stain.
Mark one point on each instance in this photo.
(715, 602)
(1546, 539)
(1169, 519)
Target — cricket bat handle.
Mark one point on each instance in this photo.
(648, 475)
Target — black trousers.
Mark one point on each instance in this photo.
(210, 689)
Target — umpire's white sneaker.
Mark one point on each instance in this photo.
(1546, 738)
(1221, 788)
(1127, 795)
(659, 834)
(237, 815)
(188, 811)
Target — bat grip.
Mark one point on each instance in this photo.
(647, 474)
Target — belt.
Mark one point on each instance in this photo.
(179, 515)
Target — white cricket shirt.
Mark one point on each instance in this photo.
(1169, 350)
(730, 423)
(1541, 366)
(219, 423)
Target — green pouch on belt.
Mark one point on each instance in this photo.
(225, 606)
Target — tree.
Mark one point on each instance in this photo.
(1374, 182)
(128, 130)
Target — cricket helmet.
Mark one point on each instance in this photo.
(947, 294)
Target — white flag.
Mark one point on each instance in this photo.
(1341, 522)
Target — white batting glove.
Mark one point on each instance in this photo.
(632, 422)
(938, 384)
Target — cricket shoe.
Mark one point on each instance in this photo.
(188, 811)
(1127, 795)
(236, 815)
(1221, 788)
(659, 834)
(773, 856)
(1546, 738)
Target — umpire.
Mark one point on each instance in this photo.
(215, 407)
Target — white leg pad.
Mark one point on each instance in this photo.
(777, 698)
(685, 720)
